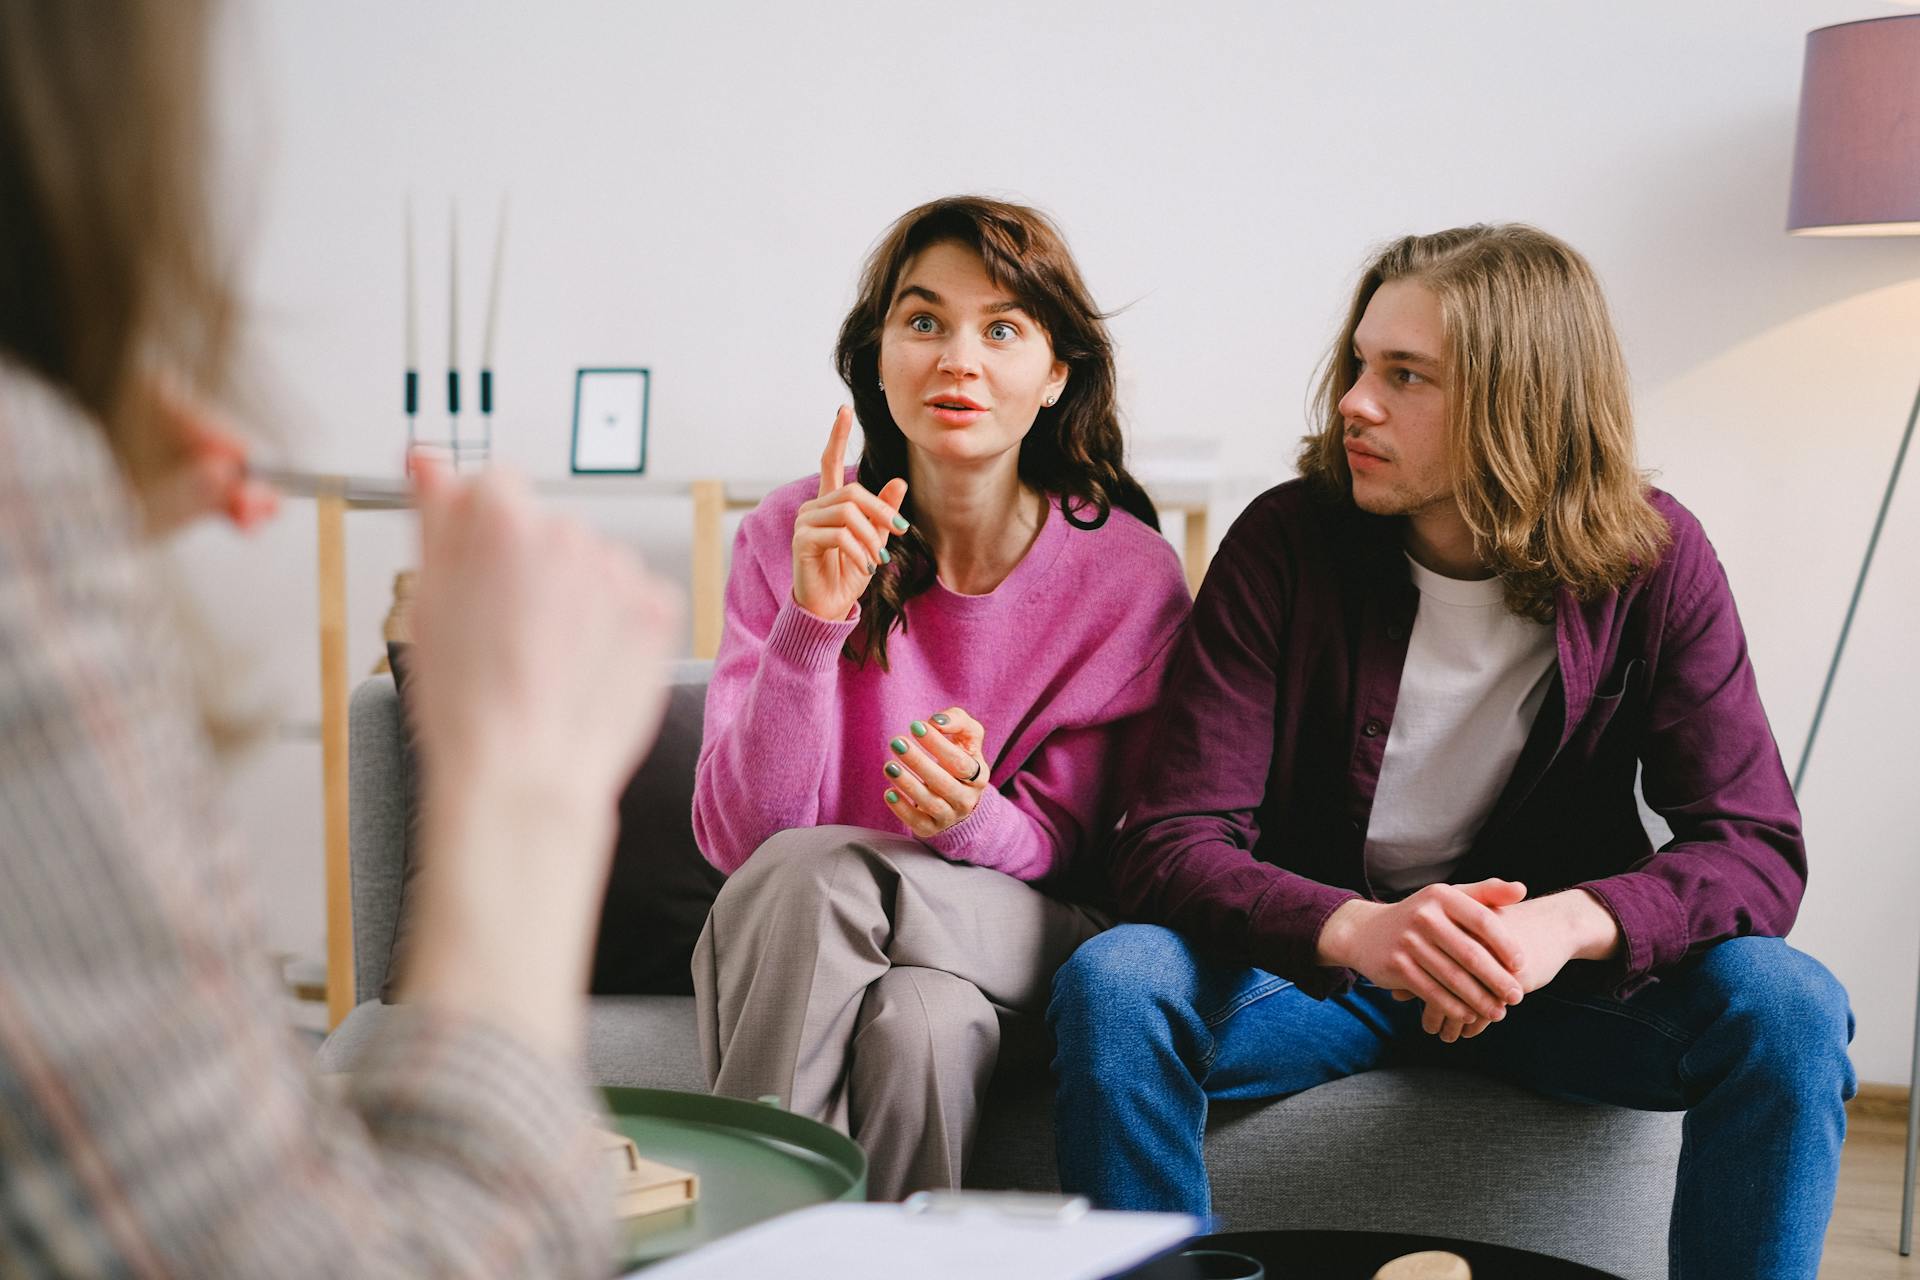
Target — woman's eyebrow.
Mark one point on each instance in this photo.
(917, 291)
(927, 295)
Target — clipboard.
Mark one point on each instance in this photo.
(938, 1236)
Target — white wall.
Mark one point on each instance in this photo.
(694, 186)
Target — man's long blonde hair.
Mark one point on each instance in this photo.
(1540, 419)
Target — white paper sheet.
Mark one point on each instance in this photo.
(882, 1242)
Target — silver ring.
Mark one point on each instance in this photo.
(978, 765)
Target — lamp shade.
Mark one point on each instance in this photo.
(1856, 156)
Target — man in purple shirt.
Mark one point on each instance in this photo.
(1394, 819)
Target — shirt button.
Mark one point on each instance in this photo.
(1396, 632)
(1372, 729)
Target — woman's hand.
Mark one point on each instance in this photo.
(541, 648)
(938, 772)
(538, 683)
(201, 469)
(840, 537)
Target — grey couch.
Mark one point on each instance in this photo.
(1419, 1151)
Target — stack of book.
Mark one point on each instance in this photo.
(643, 1186)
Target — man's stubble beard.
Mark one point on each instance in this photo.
(1399, 503)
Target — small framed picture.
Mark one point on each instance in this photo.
(610, 421)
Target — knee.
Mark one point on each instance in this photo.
(913, 1013)
(799, 863)
(1788, 1007)
(1127, 968)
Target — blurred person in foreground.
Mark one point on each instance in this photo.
(157, 1117)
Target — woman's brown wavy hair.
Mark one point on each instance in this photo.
(1075, 451)
(106, 260)
(1540, 417)
(108, 269)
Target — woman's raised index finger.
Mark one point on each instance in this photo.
(833, 463)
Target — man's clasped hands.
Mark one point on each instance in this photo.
(1469, 951)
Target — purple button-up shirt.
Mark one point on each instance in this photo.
(1249, 827)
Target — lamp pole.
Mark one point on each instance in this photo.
(1856, 172)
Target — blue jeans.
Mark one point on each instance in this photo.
(1749, 1038)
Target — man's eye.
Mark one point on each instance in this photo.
(922, 324)
(1001, 331)
(1408, 376)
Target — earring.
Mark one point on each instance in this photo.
(1050, 400)
(880, 383)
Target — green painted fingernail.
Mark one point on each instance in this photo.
(893, 797)
(900, 523)
(893, 770)
(942, 721)
(919, 729)
(886, 556)
(899, 746)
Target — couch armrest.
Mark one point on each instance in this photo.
(379, 805)
(380, 795)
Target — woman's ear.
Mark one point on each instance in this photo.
(1057, 384)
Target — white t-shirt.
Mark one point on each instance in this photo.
(1474, 680)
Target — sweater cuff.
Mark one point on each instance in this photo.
(976, 834)
(1283, 933)
(810, 643)
(472, 1096)
(1653, 927)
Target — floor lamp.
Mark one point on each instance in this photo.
(1856, 172)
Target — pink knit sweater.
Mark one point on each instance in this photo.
(1062, 663)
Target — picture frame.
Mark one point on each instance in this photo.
(610, 411)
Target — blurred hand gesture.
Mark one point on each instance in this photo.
(538, 683)
(541, 648)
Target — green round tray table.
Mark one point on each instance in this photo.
(754, 1160)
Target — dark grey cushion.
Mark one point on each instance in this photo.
(659, 889)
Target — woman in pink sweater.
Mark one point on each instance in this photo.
(933, 681)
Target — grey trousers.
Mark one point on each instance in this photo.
(861, 978)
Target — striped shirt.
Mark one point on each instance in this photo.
(157, 1116)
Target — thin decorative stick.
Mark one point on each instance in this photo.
(453, 326)
(493, 289)
(413, 334)
(493, 326)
